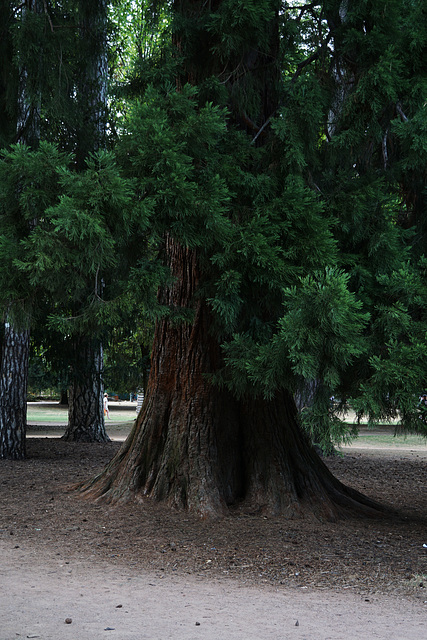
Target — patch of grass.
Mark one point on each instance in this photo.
(57, 414)
(385, 437)
(46, 416)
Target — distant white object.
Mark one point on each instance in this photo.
(425, 546)
(139, 401)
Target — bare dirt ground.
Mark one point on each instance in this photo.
(141, 571)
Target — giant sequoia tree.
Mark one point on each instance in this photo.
(270, 151)
(238, 144)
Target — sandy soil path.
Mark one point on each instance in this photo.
(104, 602)
(60, 559)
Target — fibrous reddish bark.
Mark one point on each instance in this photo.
(196, 447)
(175, 441)
(284, 474)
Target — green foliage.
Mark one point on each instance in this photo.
(75, 252)
(394, 388)
(319, 334)
(413, 134)
(42, 375)
(29, 183)
(173, 148)
(127, 355)
(322, 327)
(237, 22)
(324, 423)
(302, 193)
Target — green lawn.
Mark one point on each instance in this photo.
(384, 437)
(45, 413)
(57, 414)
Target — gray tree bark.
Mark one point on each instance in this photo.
(86, 410)
(16, 345)
(13, 393)
(86, 413)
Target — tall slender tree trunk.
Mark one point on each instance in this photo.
(86, 410)
(16, 346)
(13, 393)
(92, 83)
(86, 416)
(343, 76)
(8, 75)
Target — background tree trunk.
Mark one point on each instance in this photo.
(86, 415)
(8, 76)
(92, 83)
(16, 346)
(13, 393)
(86, 410)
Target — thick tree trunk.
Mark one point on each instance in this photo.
(86, 410)
(8, 76)
(173, 451)
(284, 474)
(196, 447)
(28, 106)
(13, 393)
